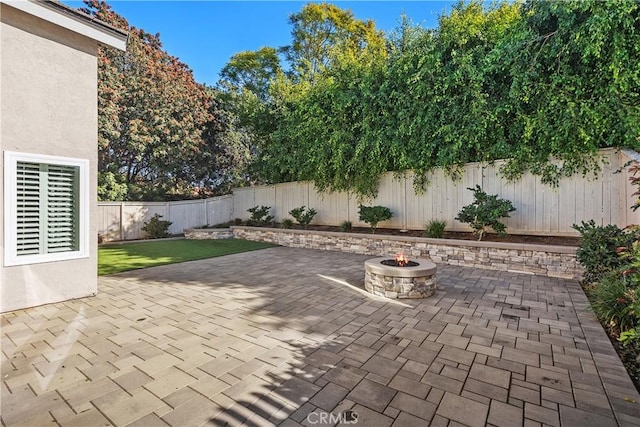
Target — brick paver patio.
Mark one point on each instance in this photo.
(285, 336)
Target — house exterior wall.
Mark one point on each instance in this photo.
(48, 89)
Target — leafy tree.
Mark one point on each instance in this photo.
(251, 71)
(327, 133)
(231, 151)
(573, 90)
(244, 88)
(159, 131)
(319, 30)
(324, 129)
(442, 103)
(109, 187)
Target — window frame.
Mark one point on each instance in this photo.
(11, 257)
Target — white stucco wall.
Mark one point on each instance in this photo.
(48, 101)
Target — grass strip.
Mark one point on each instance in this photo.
(116, 258)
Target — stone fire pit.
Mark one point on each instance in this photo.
(413, 281)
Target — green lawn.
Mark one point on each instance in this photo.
(116, 258)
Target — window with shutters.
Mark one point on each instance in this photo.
(45, 208)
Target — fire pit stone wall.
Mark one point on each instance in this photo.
(400, 282)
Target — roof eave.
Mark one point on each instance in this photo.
(72, 20)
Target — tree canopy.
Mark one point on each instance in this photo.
(322, 31)
(251, 71)
(160, 133)
(541, 84)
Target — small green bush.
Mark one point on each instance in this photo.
(156, 228)
(598, 248)
(286, 223)
(629, 352)
(346, 226)
(435, 229)
(260, 215)
(303, 218)
(485, 211)
(372, 215)
(630, 340)
(615, 302)
(238, 221)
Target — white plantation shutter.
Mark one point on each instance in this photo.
(47, 208)
(62, 209)
(28, 221)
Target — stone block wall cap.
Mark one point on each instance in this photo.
(208, 229)
(446, 242)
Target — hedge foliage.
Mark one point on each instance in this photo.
(529, 82)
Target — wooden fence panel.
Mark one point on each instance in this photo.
(219, 209)
(266, 196)
(540, 208)
(135, 214)
(185, 214)
(108, 221)
(243, 199)
(124, 220)
(289, 196)
(630, 216)
(391, 195)
(332, 208)
(606, 197)
(417, 205)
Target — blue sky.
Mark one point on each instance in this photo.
(205, 34)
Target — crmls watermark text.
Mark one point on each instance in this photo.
(346, 417)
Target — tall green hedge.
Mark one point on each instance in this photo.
(528, 82)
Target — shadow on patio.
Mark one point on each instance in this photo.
(287, 336)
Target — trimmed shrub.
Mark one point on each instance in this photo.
(303, 218)
(156, 228)
(260, 215)
(372, 215)
(286, 223)
(485, 211)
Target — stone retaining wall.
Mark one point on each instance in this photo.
(542, 260)
(208, 233)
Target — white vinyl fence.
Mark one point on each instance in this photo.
(124, 220)
(605, 197)
(540, 209)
